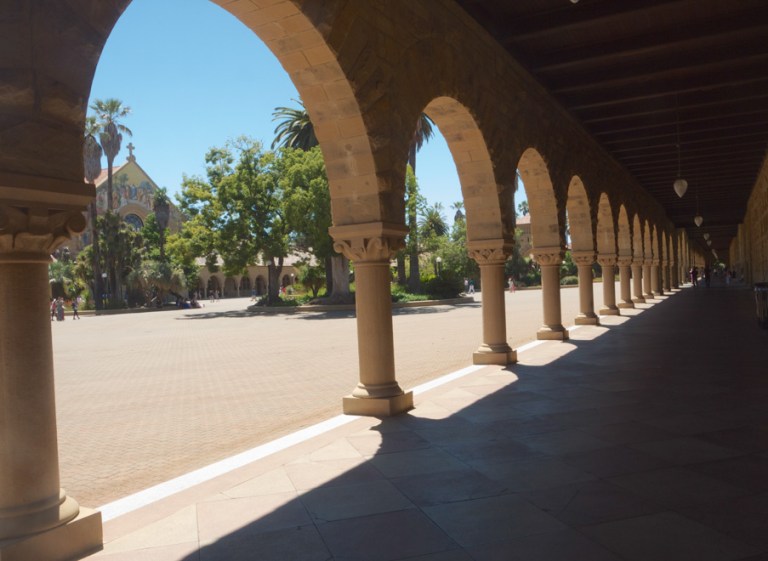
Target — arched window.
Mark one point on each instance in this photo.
(134, 221)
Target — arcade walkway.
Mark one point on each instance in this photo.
(642, 440)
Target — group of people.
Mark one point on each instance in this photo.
(694, 276)
(57, 308)
(469, 286)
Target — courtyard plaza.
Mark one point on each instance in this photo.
(145, 397)
(643, 438)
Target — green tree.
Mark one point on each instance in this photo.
(92, 152)
(523, 209)
(161, 206)
(414, 203)
(239, 212)
(308, 210)
(311, 277)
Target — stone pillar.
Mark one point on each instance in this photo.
(647, 283)
(637, 282)
(666, 283)
(656, 278)
(608, 264)
(625, 272)
(549, 259)
(675, 275)
(490, 255)
(584, 261)
(371, 247)
(37, 519)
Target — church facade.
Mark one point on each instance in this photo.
(133, 192)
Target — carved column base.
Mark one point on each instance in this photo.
(557, 333)
(639, 300)
(73, 540)
(587, 319)
(611, 311)
(494, 354)
(649, 296)
(623, 305)
(377, 406)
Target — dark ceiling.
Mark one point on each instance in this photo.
(633, 71)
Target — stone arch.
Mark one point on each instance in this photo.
(479, 187)
(245, 284)
(624, 238)
(261, 285)
(50, 142)
(637, 239)
(230, 287)
(542, 202)
(647, 241)
(606, 230)
(579, 216)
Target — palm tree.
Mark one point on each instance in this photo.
(424, 131)
(458, 206)
(432, 222)
(295, 129)
(109, 112)
(92, 165)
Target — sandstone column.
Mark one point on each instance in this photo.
(491, 255)
(584, 261)
(647, 286)
(608, 264)
(37, 519)
(637, 282)
(656, 278)
(625, 270)
(666, 274)
(675, 275)
(371, 247)
(549, 259)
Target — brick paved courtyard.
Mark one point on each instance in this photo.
(142, 398)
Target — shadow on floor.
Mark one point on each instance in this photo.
(648, 442)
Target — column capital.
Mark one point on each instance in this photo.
(31, 234)
(375, 241)
(655, 262)
(583, 257)
(548, 255)
(489, 252)
(624, 260)
(606, 259)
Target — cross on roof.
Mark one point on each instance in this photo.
(131, 147)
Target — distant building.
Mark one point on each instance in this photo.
(133, 192)
(524, 225)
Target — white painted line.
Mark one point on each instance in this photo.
(148, 496)
(447, 378)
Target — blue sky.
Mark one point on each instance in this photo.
(194, 76)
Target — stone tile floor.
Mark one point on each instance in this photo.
(645, 439)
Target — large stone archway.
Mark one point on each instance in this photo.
(488, 240)
(547, 238)
(579, 219)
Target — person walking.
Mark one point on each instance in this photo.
(511, 284)
(53, 309)
(75, 306)
(60, 308)
(471, 287)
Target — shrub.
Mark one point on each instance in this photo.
(445, 286)
(569, 280)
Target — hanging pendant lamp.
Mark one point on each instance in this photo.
(698, 219)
